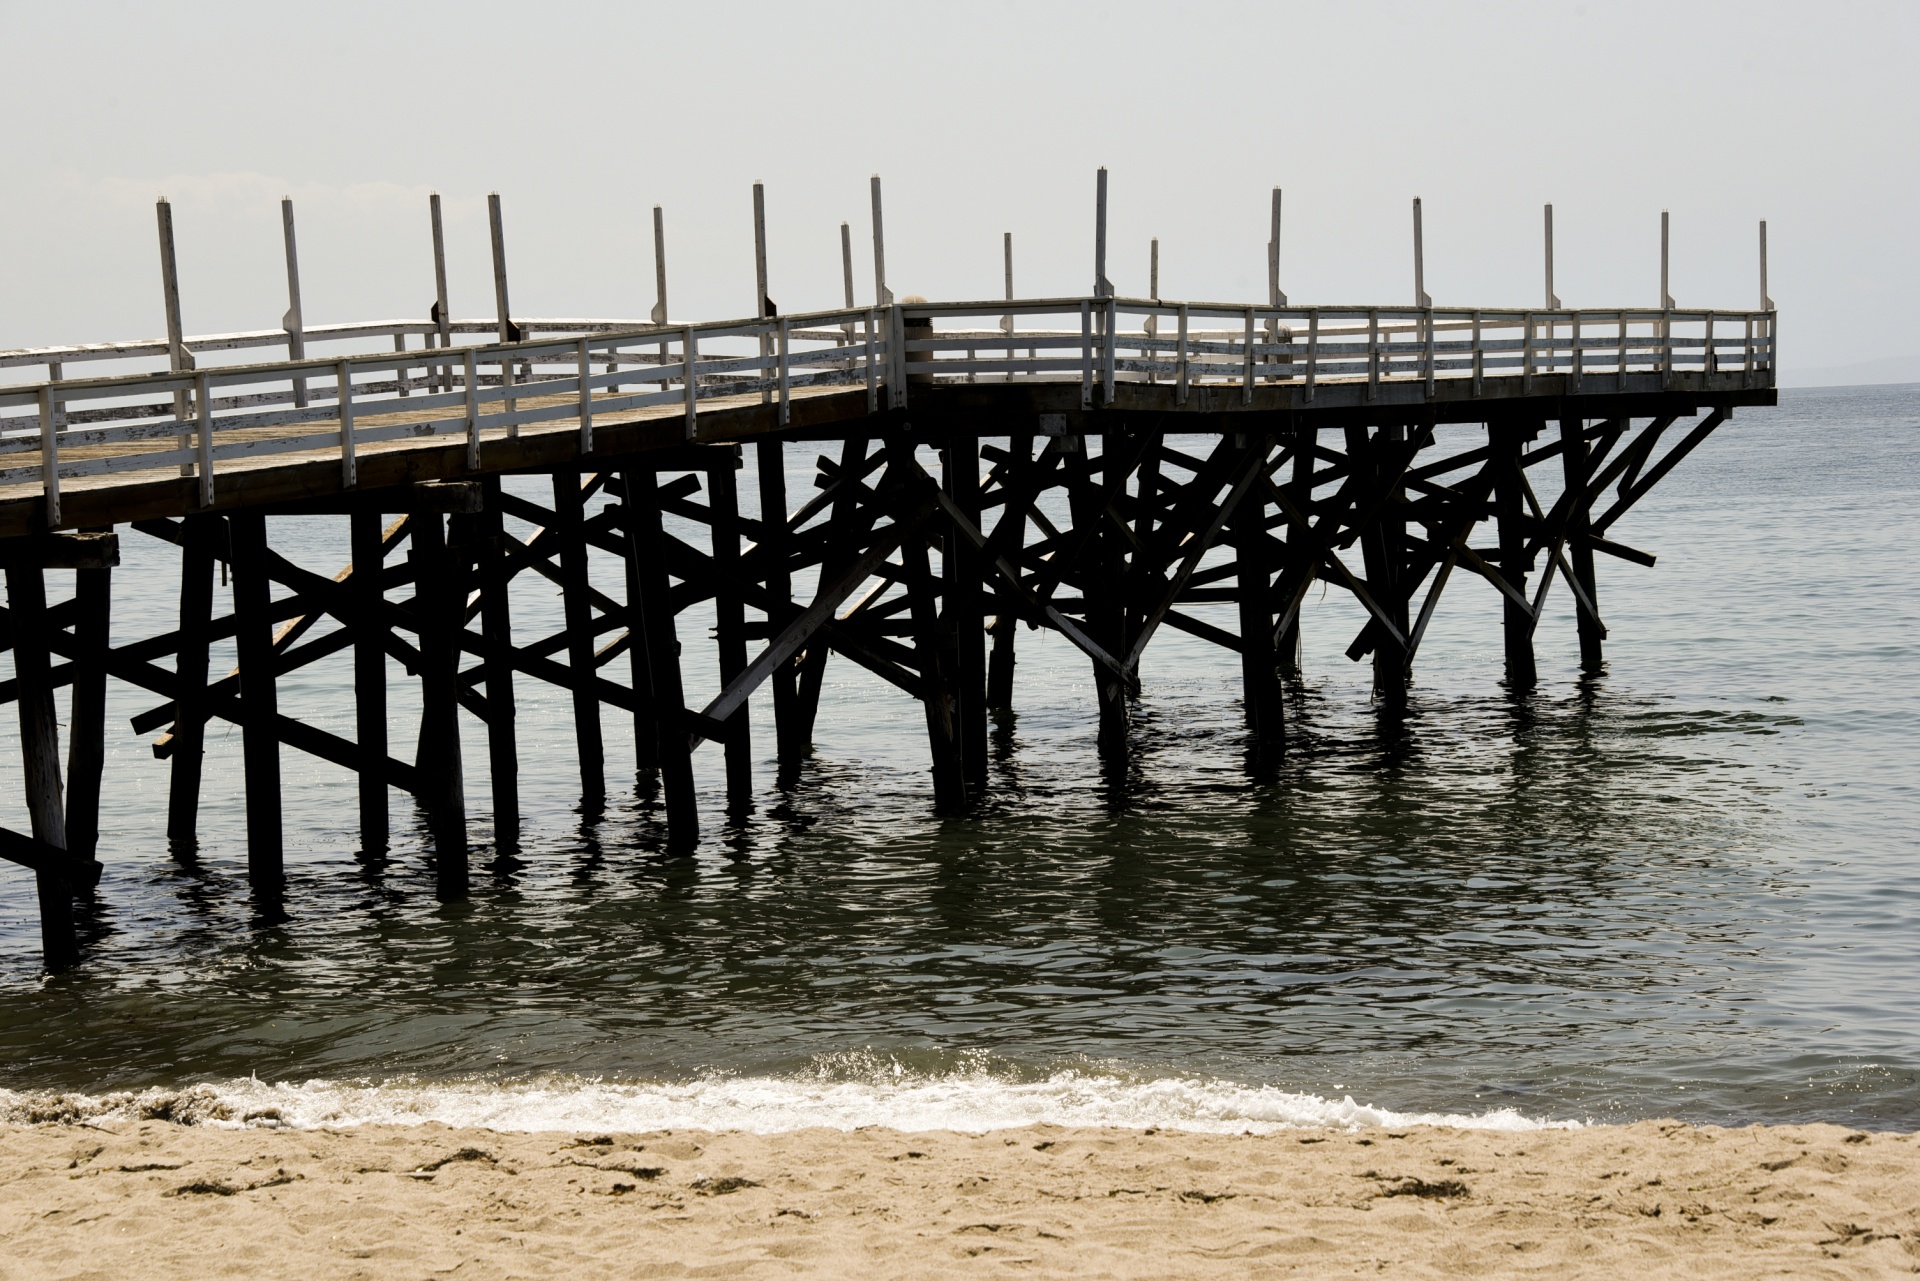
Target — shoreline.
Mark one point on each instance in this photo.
(153, 1198)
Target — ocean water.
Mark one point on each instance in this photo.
(1688, 887)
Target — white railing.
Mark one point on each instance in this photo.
(195, 421)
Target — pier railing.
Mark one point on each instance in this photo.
(574, 372)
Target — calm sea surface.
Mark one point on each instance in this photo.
(1689, 887)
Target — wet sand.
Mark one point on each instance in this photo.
(154, 1199)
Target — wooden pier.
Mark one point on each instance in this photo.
(942, 428)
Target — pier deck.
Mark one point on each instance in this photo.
(926, 543)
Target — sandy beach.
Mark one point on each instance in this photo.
(154, 1199)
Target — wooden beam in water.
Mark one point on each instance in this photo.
(730, 627)
(40, 759)
(259, 695)
(440, 596)
(370, 679)
(1576, 467)
(1507, 440)
(661, 646)
(496, 627)
(200, 536)
(792, 740)
(1263, 697)
(86, 743)
(577, 604)
(962, 569)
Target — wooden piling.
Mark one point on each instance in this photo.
(259, 699)
(40, 757)
(933, 645)
(200, 537)
(1576, 461)
(496, 628)
(1300, 494)
(370, 678)
(1383, 549)
(790, 737)
(730, 626)
(1006, 623)
(440, 601)
(660, 642)
(964, 568)
(1505, 442)
(844, 525)
(577, 605)
(1104, 593)
(86, 730)
(1264, 700)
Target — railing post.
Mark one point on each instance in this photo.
(1620, 380)
(659, 313)
(49, 459)
(1086, 353)
(1579, 356)
(472, 374)
(1427, 320)
(873, 371)
(1479, 355)
(294, 321)
(178, 357)
(882, 296)
(343, 395)
(1246, 371)
(1183, 371)
(690, 360)
(762, 305)
(203, 393)
(1526, 357)
(442, 321)
(786, 373)
(1110, 341)
(585, 364)
(1373, 353)
(1706, 350)
(1313, 350)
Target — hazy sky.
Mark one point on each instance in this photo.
(982, 119)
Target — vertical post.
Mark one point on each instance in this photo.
(496, 231)
(964, 569)
(1300, 494)
(496, 628)
(259, 699)
(1766, 299)
(178, 357)
(442, 319)
(1383, 547)
(440, 597)
(370, 676)
(40, 756)
(1553, 299)
(1505, 441)
(1666, 296)
(762, 305)
(843, 526)
(1577, 466)
(569, 514)
(882, 296)
(1420, 298)
(933, 650)
(294, 322)
(790, 735)
(1276, 297)
(1105, 603)
(730, 620)
(1259, 668)
(647, 550)
(1007, 323)
(86, 746)
(1102, 287)
(199, 539)
(1006, 624)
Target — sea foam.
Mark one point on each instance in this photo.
(969, 1100)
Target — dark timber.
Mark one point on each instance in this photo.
(945, 516)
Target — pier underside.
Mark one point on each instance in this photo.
(932, 535)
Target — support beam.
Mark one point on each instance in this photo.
(730, 620)
(848, 522)
(1298, 566)
(1101, 569)
(496, 625)
(40, 759)
(1575, 462)
(932, 644)
(792, 739)
(1259, 665)
(1506, 441)
(661, 647)
(200, 538)
(1383, 549)
(86, 743)
(440, 598)
(576, 596)
(259, 695)
(962, 568)
(1006, 623)
(370, 679)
